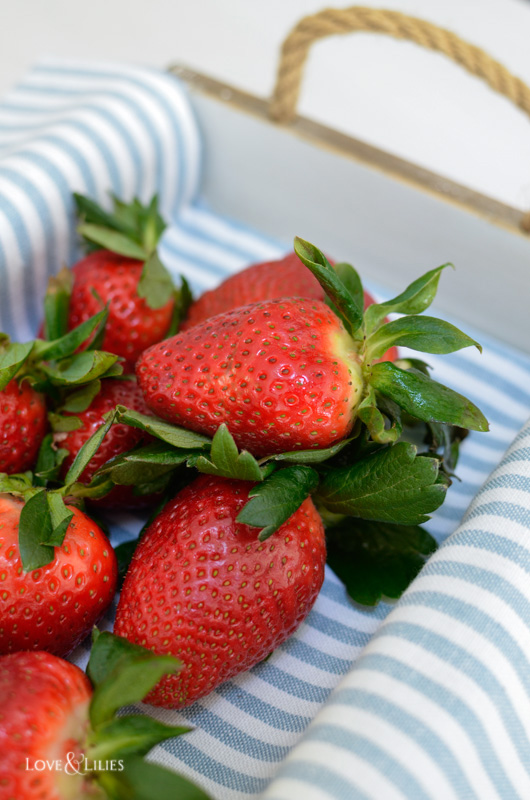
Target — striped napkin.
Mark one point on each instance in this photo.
(435, 705)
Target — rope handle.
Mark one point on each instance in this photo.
(333, 21)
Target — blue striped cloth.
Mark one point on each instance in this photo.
(436, 704)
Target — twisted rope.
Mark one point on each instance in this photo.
(333, 21)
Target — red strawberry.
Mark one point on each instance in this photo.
(118, 440)
(23, 423)
(132, 325)
(270, 280)
(204, 588)
(43, 717)
(124, 272)
(54, 607)
(59, 740)
(283, 375)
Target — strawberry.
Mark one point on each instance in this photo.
(124, 273)
(105, 277)
(292, 374)
(44, 716)
(60, 739)
(283, 375)
(52, 607)
(204, 588)
(23, 425)
(269, 280)
(118, 439)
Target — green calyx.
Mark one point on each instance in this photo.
(390, 390)
(53, 365)
(122, 674)
(132, 230)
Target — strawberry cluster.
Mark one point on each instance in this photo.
(267, 432)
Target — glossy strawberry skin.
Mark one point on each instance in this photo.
(54, 607)
(204, 588)
(23, 424)
(283, 375)
(118, 440)
(43, 717)
(132, 326)
(268, 280)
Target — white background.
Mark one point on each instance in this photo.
(393, 94)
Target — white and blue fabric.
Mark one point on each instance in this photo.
(428, 698)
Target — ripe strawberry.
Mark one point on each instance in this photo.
(283, 375)
(132, 325)
(204, 588)
(118, 440)
(60, 740)
(269, 280)
(44, 715)
(123, 272)
(55, 606)
(23, 424)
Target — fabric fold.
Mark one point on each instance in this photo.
(438, 704)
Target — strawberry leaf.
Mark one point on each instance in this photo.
(132, 472)
(130, 681)
(155, 284)
(416, 298)
(134, 734)
(178, 437)
(56, 304)
(97, 488)
(18, 484)
(62, 424)
(82, 368)
(34, 530)
(352, 281)
(113, 240)
(88, 450)
(391, 485)
(145, 222)
(413, 363)
(60, 518)
(343, 300)
(429, 334)
(127, 467)
(377, 559)
(49, 461)
(90, 212)
(276, 499)
(183, 298)
(68, 344)
(420, 396)
(107, 652)
(12, 358)
(310, 456)
(226, 461)
(138, 778)
(80, 400)
(376, 422)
